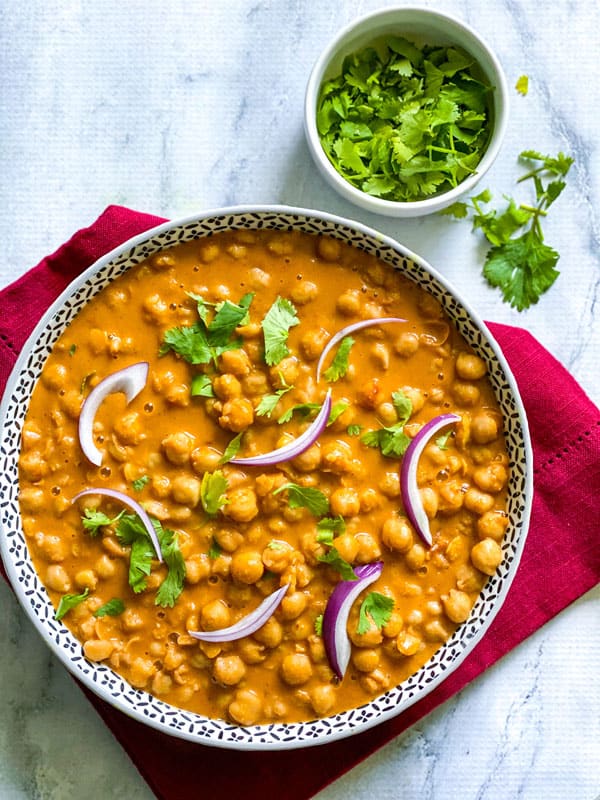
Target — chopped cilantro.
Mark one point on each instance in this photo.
(405, 122)
(377, 608)
(305, 497)
(140, 562)
(354, 430)
(519, 263)
(337, 410)
(335, 560)
(69, 601)
(139, 483)
(276, 327)
(319, 625)
(304, 409)
(403, 406)
(327, 526)
(227, 318)
(442, 441)
(391, 440)
(72, 349)
(94, 520)
(340, 363)
(232, 448)
(202, 386)
(172, 586)
(268, 402)
(522, 85)
(85, 381)
(212, 492)
(113, 608)
(214, 551)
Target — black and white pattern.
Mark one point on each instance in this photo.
(101, 679)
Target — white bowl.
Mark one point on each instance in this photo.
(98, 677)
(424, 26)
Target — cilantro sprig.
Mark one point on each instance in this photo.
(404, 122)
(212, 491)
(392, 440)
(519, 262)
(305, 497)
(276, 325)
(68, 602)
(376, 608)
(93, 520)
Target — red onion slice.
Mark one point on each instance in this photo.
(295, 448)
(248, 624)
(335, 618)
(129, 380)
(411, 496)
(355, 326)
(132, 505)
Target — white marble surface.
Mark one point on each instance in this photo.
(177, 107)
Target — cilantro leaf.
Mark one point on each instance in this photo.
(304, 409)
(69, 601)
(523, 269)
(318, 626)
(337, 409)
(202, 386)
(140, 562)
(276, 326)
(112, 608)
(403, 406)
(340, 363)
(212, 492)
(214, 551)
(189, 342)
(94, 520)
(227, 318)
(335, 560)
(330, 525)
(172, 586)
(354, 430)
(391, 441)
(139, 483)
(268, 402)
(305, 497)
(442, 441)
(232, 448)
(377, 608)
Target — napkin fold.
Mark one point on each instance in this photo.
(561, 560)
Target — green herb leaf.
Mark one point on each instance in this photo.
(276, 327)
(335, 560)
(112, 608)
(172, 586)
(354, 430)
(403, 406)
(93, 520)
(328, 526)
(232, 449)
(377, 608)
(139, 483)
(340, 363)
(229, 315)
(304, 409)
(214, 551)
(189, 342)
(319, 625)
(442, 441)
(72, 350)
(337, 409)
(268, 402)
(140, 562)
(212, 492)
(305, 497)
(202, 386)
(391, 440)
(69, 601)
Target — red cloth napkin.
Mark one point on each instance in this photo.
(561, 560)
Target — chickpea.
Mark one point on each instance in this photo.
(105, 566)
(215, 615)
(132, 620)
(429, 499)
(142, 669)
(397, 534)
(293, 605)
(278, 559)
(161, 684)
(368, 396)
(270, 634)
(387, 413)
(348, 303)
(228, 670)
(259, 279)
(86, 579)
(415, 557)
(393, 626)
(457, 605)
(50, 547)
(470, 367)
(380, 355)
(436, 631)
(492, 524)
(251, 652)
(226, 386)
(469, 579)
(366, 659)
(129, 428)
(466, 394)
(477, 501)
(408, 643)
(296, 669)
(98, 649)
(309, 460)
(406, 344)
(368, 548)
(247, 566)
(33, 466)
(345, 502)
(376, 681)
(228, 539)
(245, 708)
(456, 548)
(370, 499)
(313, 342)
(303, 292)
(491, 478)
(328, 249)
(484, 428)
(205, 459)
(238, 414)
(55, 376)
(347, 546)
(370, 638)
(178, 447)
(235, 362)
(336, 456)
(486, 555)
(242, 504)
(57, 578)
(32, 499)
(322, 699)
(389, 485)
(450, 496)
(186, 490)
(285, 373)
(197, 568)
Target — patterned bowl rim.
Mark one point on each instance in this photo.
(140, 705)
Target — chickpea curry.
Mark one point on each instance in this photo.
(214, 451)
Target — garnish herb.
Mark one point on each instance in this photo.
(354, 430)
(276, 327)
(319, 625)
(442, 441)
(93, 520)
(204, 342)
(340, 363)
(69, 601)
(172, 586)
(139, 483)
(337, 409)
(335, 560)
(269, 402)
(112, 608)
(405, 124)
(212, 492)
(214, 551)
(72, 350)
(377, 608)
(328, 526)
(275, 545)
(312, 409)
(202, 386)
(522, 85)
(391, 440)
(232, 449)
(519, 263)
(305, 497)
(84, 382)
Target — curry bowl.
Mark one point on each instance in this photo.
(219, 678)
